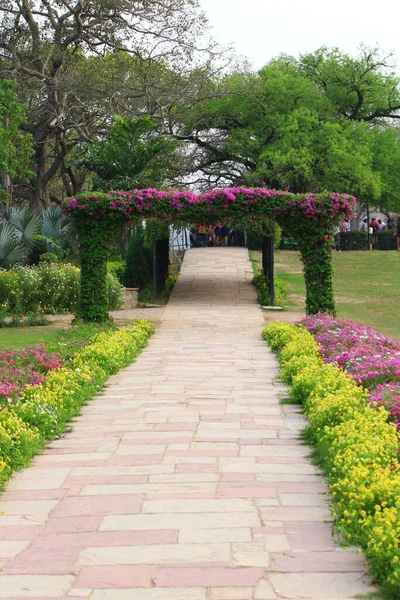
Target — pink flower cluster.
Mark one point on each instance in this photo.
(19, 368)
(372, 359)
(218, 205)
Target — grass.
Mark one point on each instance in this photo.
(367, 286)
(12, 338)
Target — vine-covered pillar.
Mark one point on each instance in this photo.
(318, 275)
(94, 238)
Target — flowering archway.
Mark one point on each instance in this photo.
(307, 217)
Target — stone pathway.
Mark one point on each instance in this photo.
(185, 479)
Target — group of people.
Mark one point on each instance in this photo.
(374, 227)
(219, 235)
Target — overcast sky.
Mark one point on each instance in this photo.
(262, 29)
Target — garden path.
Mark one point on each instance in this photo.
(185, 479)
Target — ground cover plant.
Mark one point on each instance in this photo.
(41, 410)
(356, 446)
(370, 358)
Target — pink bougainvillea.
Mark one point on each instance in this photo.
(226, 204)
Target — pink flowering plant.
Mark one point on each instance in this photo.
(308, 217)
(19, 368)
(370, 358)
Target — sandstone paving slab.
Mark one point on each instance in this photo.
(185, 478)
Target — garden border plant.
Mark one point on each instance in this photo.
(357, 447)
(310, 217)
(42, 411)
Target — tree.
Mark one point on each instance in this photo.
(325, 121)
(44, 45)
(133, 155)
(15, 146)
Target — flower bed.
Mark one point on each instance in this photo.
(356, 445)
(370, 358)
(19, 368)
(41, 411)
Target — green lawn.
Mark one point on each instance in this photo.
(15, 337)
(367, 286)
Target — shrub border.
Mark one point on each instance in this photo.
(356, 446)
(43, 411)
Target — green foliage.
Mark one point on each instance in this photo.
(50, 288)
(138, 269)
(154, 231)
(56, 226)
(258, 230)
(25, 235)
(48, 257)
(15, 145)
(321, 121)
(44, 245)
(263, 295)
(117, 267)
(133, 155)
(19, 228)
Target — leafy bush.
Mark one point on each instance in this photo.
(50, 287)
(117, 267)
(42, 246)
(357, 447)
(263, 295)
(42, 411)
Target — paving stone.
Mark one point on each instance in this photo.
(320, 586)
(34, 586)
(115, 577)
(197, 506)
(162, 554)
(178, 521)
(235, 534)
(210, 577)
(152, 594)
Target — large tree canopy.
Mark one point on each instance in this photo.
(324, 121)
(51, 46)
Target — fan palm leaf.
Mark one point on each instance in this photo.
(12, 248)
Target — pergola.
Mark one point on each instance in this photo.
(309, 218)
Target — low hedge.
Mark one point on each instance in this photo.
(50, 287)
(42, 411)
(356, 446)
(358, 240)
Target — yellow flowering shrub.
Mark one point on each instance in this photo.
(43, 411)
(18, 443)
(358, 449)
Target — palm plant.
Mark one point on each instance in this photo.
(12, 249)
(19, 226)
(55, 225)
